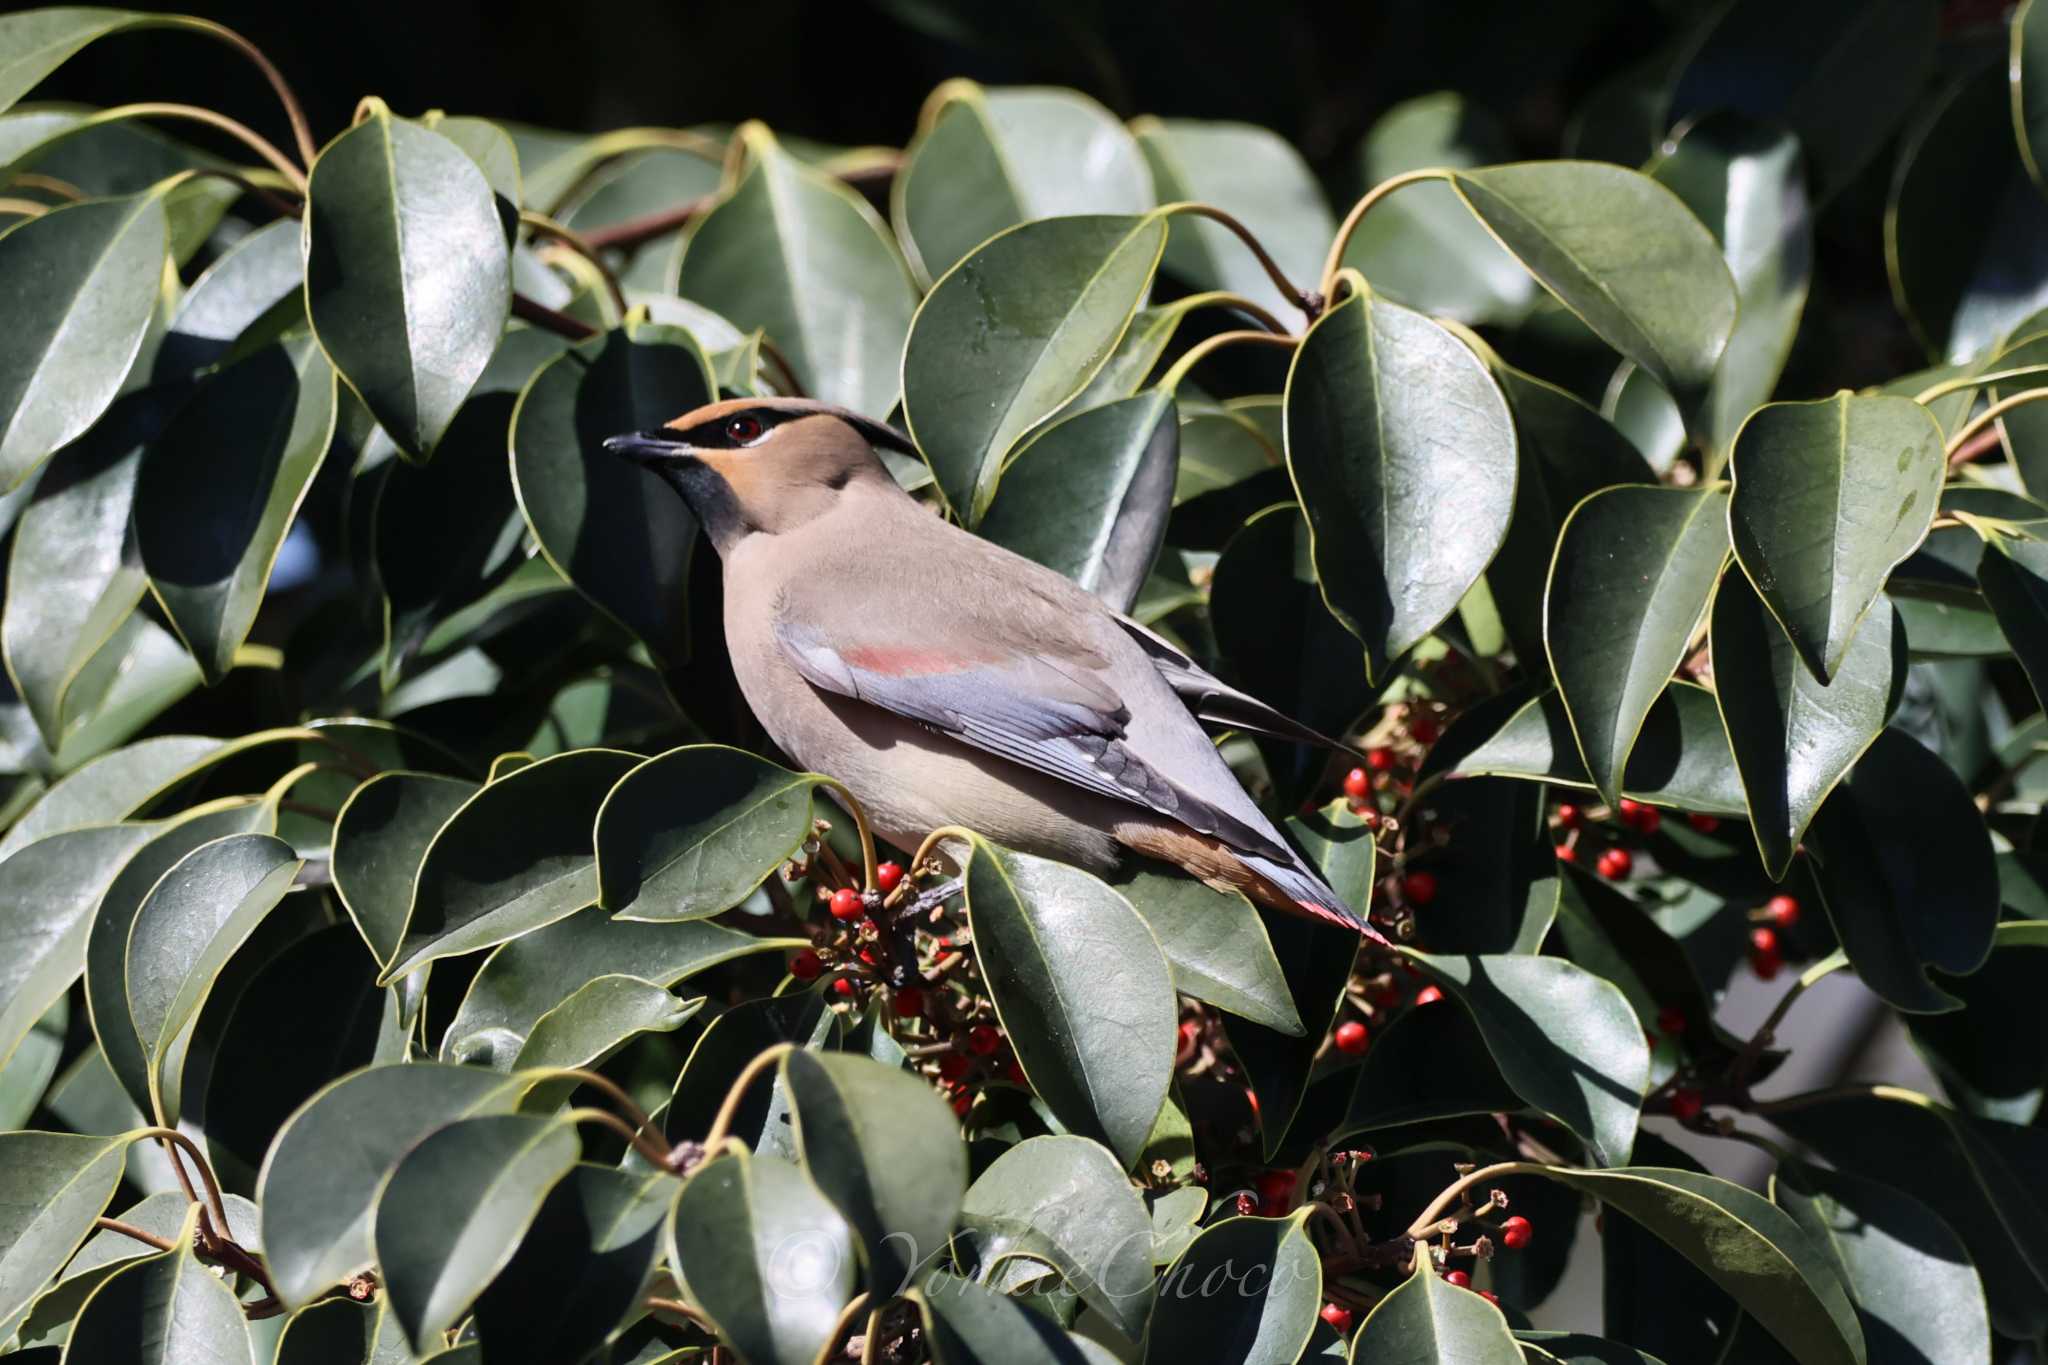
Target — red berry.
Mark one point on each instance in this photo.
(1765, 965)
(963, 1102)
(846, 904)
(1419, 887)
(953, 1066)
(1763, 939)
(1671, 1020)
(1275, 1185)
(1338, 1316)
(909, 1001)
(1380, 760)
(805, 966)
(1428, 995)
(1569, 816)
(1246, 1206)
(1615, 864)
(888, 877)
(1648, 819)
(1783, 910)
(1567, 853)
(1015, 1075)
(1517, 1233)
(1357, 784)
(983, 1041)
(1630, 810)
(1490, 1297)
(1423, 727)
(1351, 1037)
(1686, 1104)
(843, 988)
(1705, 824)
(1458, 1279)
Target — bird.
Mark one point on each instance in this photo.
(947, 681)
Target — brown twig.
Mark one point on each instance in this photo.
(140, 1235)
(561, 324)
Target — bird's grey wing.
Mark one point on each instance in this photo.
(1216, 701)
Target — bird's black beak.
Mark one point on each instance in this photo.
(646, 448)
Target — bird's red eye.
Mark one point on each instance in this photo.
(743, 430)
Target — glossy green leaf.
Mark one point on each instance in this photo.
(27, 1074)
(524, 979)
(1916, 1293)
(1829, 498)
(1403, 453)
(1065, 1201)
(1564, 1039)
(1905, 866)
(1426, 1318)
(515, 856)
(885, 1150)
(1422, 247)
(600, 1018)
(985, 160)
(1081, 988)
(692, 832)
(613, 529)
(1747, 1246)
(48, 892)
(970, 1324)
(52, 1187)
(239, 291)
(38, 41)
(217, 492)
(1089, 495)
(62, 358)
(1245, 1292)
(408, 277)
(1255, 176)
(1214, 941)
(801, 255)
(1633, 572)
(453, 1209)
(162, 1310)
(1012, 332)
(1792, 736)
(766, 1257)
(1621, 252)
(380, 836)
(317, 1213)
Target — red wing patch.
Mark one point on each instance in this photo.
(903, 661)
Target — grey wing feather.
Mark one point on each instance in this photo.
(1216, 701)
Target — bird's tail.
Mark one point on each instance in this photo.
(1307, 894)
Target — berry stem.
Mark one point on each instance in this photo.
(727, 1111)
(1746, 1060)
(1335, 261)
(860, 822)
(1206, 347)
(1310, 304)
(1431, 1216)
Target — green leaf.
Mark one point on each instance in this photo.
(1905, 867)
(724, 1050)
(83, 281)
(2013, 574)
(52, 1187)
(612, 528)
(1421, 247)
(1909, 1274)
(601, 1017)
(163, 1310)
(217, 492)
(408, 277)
(2029, 76)
(1403, 452)
(970, 1324)
(1621, 252)
(1487, 844)
(1082, 989)
(33, 43)
(885, 1150)
(380, 836)
(1793, 737)
(986, 160)
(1089, 495)
(336, 1331)
(1609, 933)
(241, 289)
(1065, 1201)
(796, 252)
(1255, 176)
(515, 856)
(1245, 1292)
(1564, 1039)
(453, 1209)
(1577, 1348)
(692, 832)
(1427, 1318)
(1632, 575)
(1829, 498)
(534, 973)
(1992, 1054)
(27, 1074)
(1011, 333)
(1428, 1064)
(765, 1255)
(1747, 1246)
(316, 1211)
(1746, 182)
(48, 893)
(1214, 941)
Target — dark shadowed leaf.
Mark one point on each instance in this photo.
(1992, 1054)
(970, 1324)
(1082, 989)
(1495, 867)
(728, 1044)
(2013, 574)
(1427, 1318)
(336, 1331)
(52, 1186)
(408, 277)
(2029, 75)
(1427, 1064)
(164, 1309)
(1214, 941)
(1245, 1292)
(1632, 575)
(380, 836)
(1403, 452)
(1611, 935)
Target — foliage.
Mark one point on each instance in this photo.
(405, 954)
